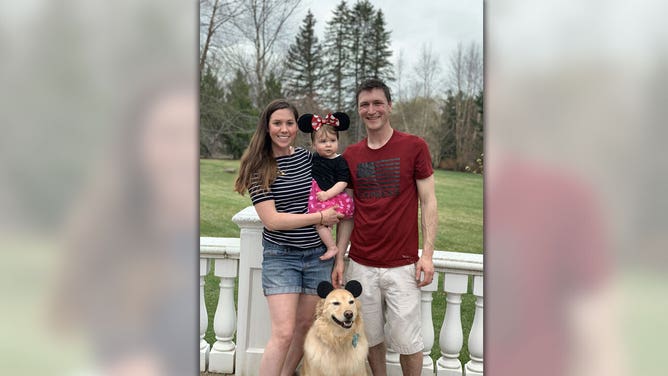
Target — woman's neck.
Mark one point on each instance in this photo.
(280, 152)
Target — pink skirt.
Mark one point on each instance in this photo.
(342, 200)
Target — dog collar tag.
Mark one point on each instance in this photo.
(356, 336)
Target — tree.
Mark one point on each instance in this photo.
(466, 69)
(420, 116)
(369, 53)
(337, 60)
(462, 113)
(262, 24)
(213, 15)
(379, 62)
(427, 71)
(359, 51)
(240, 116)
(361, 33)
(304, 64)
(211, 115)
(227, 115)
(273, 89)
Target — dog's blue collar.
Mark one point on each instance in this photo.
(356, 336)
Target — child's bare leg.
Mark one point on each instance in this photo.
(327, 239)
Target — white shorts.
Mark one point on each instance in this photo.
(390, 306)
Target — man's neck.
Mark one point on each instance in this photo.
(378, 138)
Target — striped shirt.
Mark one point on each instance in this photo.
(290, 193)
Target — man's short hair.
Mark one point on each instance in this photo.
(370, 84)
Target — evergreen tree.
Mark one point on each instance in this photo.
(240, 115)
(361, 30)
(304, 63)
(273, 89)
(448, 123)
(337, 60)
(461, 134)
(379, 62)
(211, 101)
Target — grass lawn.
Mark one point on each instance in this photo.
(460, 205)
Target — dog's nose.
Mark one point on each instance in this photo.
(348, 314)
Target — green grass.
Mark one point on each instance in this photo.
(460, 215)
(218, 200)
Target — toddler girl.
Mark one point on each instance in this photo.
(330, 171)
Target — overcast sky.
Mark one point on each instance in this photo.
(413, 23)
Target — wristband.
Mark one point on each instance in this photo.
(321, 217)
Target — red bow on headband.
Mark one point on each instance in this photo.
(317, 122)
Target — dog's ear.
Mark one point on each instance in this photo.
(324, 288)
(354, 287)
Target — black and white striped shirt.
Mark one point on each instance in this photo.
(290, 193)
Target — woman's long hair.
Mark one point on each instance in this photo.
(258, 164)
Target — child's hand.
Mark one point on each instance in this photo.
(322, 196)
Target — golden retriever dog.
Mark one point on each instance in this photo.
(336, 343)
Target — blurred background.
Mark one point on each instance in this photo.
(98, 187)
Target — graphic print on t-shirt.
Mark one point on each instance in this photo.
(378, 179)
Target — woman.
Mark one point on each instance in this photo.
(278, 179)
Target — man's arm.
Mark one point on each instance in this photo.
(343, 231)
(428, 221)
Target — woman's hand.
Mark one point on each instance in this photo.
(330, 216)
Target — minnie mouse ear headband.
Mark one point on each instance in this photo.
(309, 123)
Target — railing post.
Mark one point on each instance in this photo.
(392, 361)
(254, 325)
(428, 325)
(203, 316)
(474, 367)
(221, 357)
(452, 337)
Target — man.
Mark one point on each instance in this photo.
(390, 172)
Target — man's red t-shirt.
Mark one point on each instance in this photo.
(386, 199)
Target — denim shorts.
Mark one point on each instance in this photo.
(289, 270)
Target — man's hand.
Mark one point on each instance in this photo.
(424, 268)
(337, 272)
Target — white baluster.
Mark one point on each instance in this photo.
(203, 317)
(452, 337)
(221, 357)
(392, 361)
(428, 325)
(474, 367)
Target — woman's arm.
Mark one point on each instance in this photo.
(335, 190)
(275, 221)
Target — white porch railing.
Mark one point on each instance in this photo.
(242, 258)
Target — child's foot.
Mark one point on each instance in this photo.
(331, 252)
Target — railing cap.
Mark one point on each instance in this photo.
(247, 217)
(458, 262)
(219, 247)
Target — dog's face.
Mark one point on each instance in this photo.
(339, 305)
